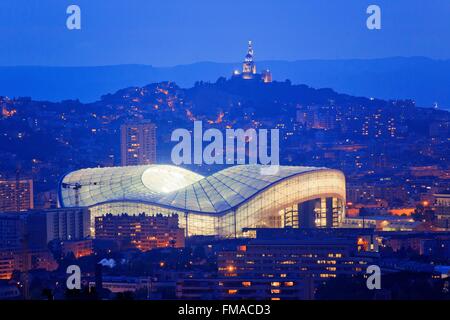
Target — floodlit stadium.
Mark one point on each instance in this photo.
(221, 204)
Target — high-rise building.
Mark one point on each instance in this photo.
(58, 224)
(140, 231)
(138, 144)
(16, 195)
(35, 229)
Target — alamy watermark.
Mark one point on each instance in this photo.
(73, 21)
(374, 279)
(74, 279)
(373, 22)
(236, 146)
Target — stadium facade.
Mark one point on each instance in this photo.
(222, 204)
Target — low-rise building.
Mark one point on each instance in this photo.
(283, 263)
(382, 223)
(79, 248)
(442, 211)
(140, 231)
(24, 261)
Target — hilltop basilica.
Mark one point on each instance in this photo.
(249, 68)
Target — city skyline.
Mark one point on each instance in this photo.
(257, 180)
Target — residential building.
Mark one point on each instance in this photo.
(16, 195)
(138, 144)
(140, 231)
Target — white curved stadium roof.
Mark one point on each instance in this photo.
(171, 186)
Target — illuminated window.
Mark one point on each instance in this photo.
(275, 284)
(275, 291)
(246, 283)
(232, 291)
(327, 275)
(289, 284)
(231, 268)
(288, 262)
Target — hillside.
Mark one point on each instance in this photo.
(424, 80)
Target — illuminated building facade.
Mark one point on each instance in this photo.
(383, 223)
(24, 238)
(16, 195)
(138, 144)
(244, 289)
(283, 256)
(221, 204)
(142, 232)
(283, 264)
(442, 211)
(6, 265)
(79, 248)
(24, 261)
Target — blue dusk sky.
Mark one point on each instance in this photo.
(173, 32)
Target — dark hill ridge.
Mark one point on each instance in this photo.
(232, 96)
(424, 80)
